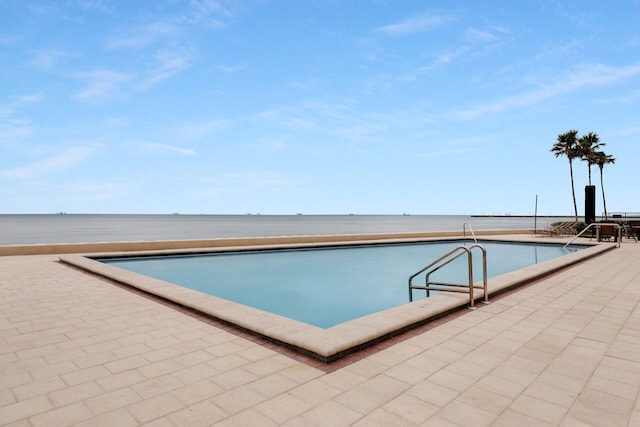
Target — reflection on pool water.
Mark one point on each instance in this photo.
(330, 285)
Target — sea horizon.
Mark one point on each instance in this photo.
(17, 229)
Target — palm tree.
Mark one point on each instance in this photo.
(602, 159)
(587, 147)
(567, 145)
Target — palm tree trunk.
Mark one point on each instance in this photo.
(573, 190)
(604, 201)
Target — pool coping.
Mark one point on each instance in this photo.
(330, 344)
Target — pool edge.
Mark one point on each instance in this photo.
(330, 344)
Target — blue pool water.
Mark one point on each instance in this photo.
(328, 286)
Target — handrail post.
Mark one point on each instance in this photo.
(464, 231)
(597, 224)
(446, 259)
(470, 268)
(485, 284)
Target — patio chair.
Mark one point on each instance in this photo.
(634, 229)
(607, 231)
(562, 229)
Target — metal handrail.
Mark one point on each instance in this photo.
(445, 259)
(597, 225)
(464, 231)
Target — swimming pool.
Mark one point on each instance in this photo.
(328, 286)
(324, 344)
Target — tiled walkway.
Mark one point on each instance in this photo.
(77, 350)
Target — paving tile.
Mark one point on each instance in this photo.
(501, 386)
(433, 393)
(49, 371)
(511, 418)
(238, 399)
(540, 409)
(380, 417)
(301, 373)
(157, 386)
(227, 362)
(33, 389)
(75, 393)
(248, 418)
(552, 394)
(562, 382)
(267, 366)
(465, 415)
(486, 401)
(16, 379)
(607, 401)
(119, 417)
(283, 408)
(84, 375)
(203, 414)
(155, 407)
(410, 408)
(315, 392)
(595, 416)
(24, 409)
(332, 413)
(234, 378)
(62, 416)
(415, 369)
(197, 391)
(366, 368)
(115, 399)
(451, 379)
(194, 373)
(6, 397)
(438, 421)
(343, 379)
(272, 385)
(121, 379)
(616, 388)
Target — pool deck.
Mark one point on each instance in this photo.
(77, 350)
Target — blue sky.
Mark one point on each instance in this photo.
(324, 106)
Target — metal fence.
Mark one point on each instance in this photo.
(623, 215)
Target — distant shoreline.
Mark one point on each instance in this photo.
(523, 216)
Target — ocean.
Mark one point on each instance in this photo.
(83, 228)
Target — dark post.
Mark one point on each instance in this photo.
(589, 204)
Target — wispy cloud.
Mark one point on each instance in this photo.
(230, 68)
(340, 119)
(99, 5)
(166, 64)
(12, 127)
(210, 13)
(144, 36)
(415, 24)
(474, 35)
(67, 158)
(585, 76)
(102, 84)
(47, 59)
(164, 148)
(18, 102)
(200, 130)
(13, 130)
